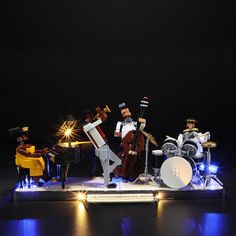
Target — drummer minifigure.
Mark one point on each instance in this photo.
(192, 132)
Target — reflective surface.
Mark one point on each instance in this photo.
(73, 218)
(168, 217)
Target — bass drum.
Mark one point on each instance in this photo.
(176, 172)
(170, 147)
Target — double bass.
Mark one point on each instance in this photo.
(132, 144)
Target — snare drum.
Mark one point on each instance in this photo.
(176, 172)
(170, 147)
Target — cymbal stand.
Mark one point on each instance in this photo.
(147, 177)
(208, 176)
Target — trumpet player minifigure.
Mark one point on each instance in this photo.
(108, 159)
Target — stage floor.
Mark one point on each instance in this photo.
(93, 190)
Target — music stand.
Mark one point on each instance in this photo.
(147, 177)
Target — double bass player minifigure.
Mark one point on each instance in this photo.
(132, 163)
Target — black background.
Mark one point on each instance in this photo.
(64, 57)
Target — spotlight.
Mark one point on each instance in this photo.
(213, 169)
(81, 196)
(68, 132)
(202, 167)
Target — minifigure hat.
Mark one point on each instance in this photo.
(70, 118)
(122, 105)
(25, 129)
(191, 120)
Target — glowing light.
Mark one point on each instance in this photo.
(81, 196)
(27, 227)
(117, 197)
(81, 208)
(81, 220)
(202, 167)
(213, 169)
(68, 132)
(127, 226)
(160, 206)
(214, 224)
(158, 196)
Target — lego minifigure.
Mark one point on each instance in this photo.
(191, 137)
(29, 162)
(127, 125)
(108, 159)
(190, 131)
(188, 143)
(132, 143)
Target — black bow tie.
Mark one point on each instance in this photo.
(128, 120)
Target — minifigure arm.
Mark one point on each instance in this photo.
(101, 133)
(203, 137)
(117, 132)
(200, 137)
(180, 139)
(142, 123)
(22, 149)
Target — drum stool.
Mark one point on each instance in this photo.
(157, 161)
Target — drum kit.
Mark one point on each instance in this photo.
(170, 147)
(181, 165)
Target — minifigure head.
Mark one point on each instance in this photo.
(20, 133)
(124, 110)
(25, 137)
(88, 116)
(125, 113)
(191, 123)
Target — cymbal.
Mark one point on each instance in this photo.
(209, 144)
(150, 137)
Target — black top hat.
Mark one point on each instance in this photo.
(122, 105)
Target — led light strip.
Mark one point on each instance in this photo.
(145, 197)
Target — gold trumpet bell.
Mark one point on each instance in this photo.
(101, 114)
(106, 109)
